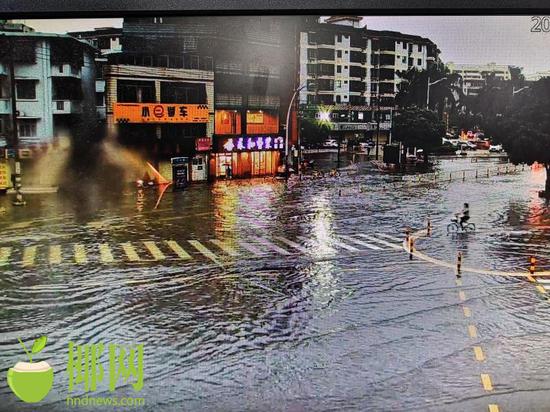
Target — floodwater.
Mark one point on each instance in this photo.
(258, 295)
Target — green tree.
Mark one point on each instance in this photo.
(420, 128)
(524, 127)
(444, 95)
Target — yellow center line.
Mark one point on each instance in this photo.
(154, 250)
(462, 296)
(472, 331)
(459, 282)
(531, 278)
(105, 254)
(486, 381)
(130, 252)
(478, 352)
(80, 254)
(178, 250)
(55, 255)
(29, 254)
(5, 253)
(493, 408)
(467, 311)
(541, 289)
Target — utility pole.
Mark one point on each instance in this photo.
(16, 174)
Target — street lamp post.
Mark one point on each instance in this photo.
(288, 127)
(428, 92)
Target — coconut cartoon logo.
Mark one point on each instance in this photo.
(31, 381)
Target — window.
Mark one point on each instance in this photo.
(360, 116)
(338, 69)
(99, 99)
(339, 53)
(338, 99)
(346, 52)
(345, 82)
(345, 67)
(338, 83)
(26, 89)
(339, 38)
(420, 62)
(404, 59)
(26, 127)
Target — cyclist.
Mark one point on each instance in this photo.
(465, 215)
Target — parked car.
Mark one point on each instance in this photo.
(364, 146)
(496, 148)
(471, 146)
(330, 143)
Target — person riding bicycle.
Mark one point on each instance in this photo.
(465, 215)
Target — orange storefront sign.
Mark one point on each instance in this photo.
(160, 113)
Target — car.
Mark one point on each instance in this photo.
(364, 146)
(330, 143)
(496, 148)
(471, 146)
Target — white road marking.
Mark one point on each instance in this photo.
(359, 242)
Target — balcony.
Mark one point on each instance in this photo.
(5, 106)
(66, 107)
(66, 70)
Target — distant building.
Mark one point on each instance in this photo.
(533, 77)
(107, 40)
(54, 82)
(354, 72)
(474, 76)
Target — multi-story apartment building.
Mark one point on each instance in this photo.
(54, 85)
(162, 109)
(474, 76)
(107, 40)
(353, 72)
(253, 60)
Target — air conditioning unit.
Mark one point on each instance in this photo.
(25, 153)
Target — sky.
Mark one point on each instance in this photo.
(461, 39)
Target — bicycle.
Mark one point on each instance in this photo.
(455, 227)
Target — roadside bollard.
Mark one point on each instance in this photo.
(429, 227)
(411, 247)
(339, 192)
(476, 173)
(532, 264)
(458, 264)
(463, 175)
(407, 235)
(487, 172)
(450, 177)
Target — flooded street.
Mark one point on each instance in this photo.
(261, 295)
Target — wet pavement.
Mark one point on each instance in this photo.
(261, 295)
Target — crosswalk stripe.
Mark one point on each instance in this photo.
(130, 252)
(382, 242)
(359, 242)
(29, 254)
(325, 246)
(80, 254)
(543, 281)
(204, 250)
(55, 255)
(272, 246)
(154, 250)
(105, 254)
(178, 250)
(396, 239)
(226, 247)
(343, 245)
(292, 244)
(251, 248)
(5, 253)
